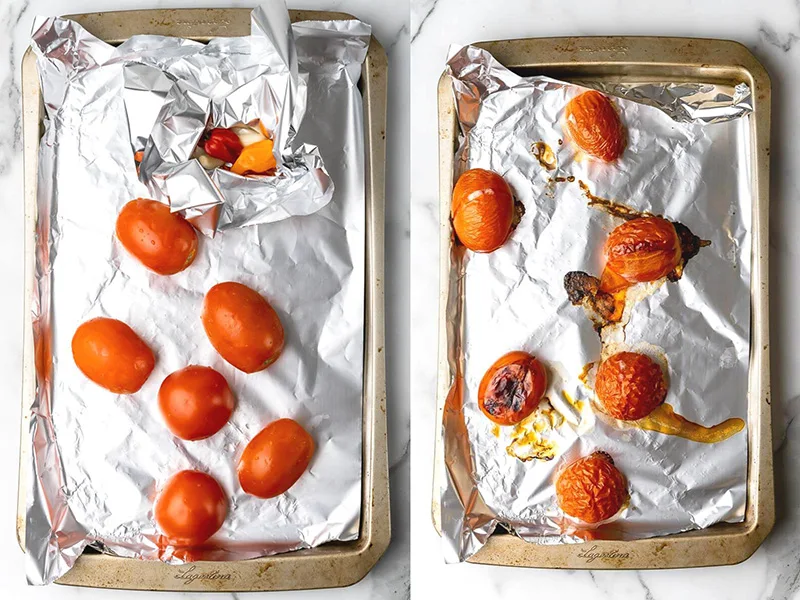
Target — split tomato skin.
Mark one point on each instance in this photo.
(110, 353)
(161, 240)
(275, 459)
(512, 388)
(643, 249)
(196, 402)
(190, 508)
(595, 127)
(482, 210)
(242, 326)
(591, 489)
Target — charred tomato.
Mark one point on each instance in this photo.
(512, 388)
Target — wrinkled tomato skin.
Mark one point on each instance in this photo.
(195, 402)
(242, 326)
(110, 353)
(482, 210)
(512, 388)
(190, 508)
(595, 127)
(162, 241)
(630, 385)
(275, 459)
(591, 489)
(643, 249)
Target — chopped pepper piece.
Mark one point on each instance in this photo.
(256, 158)
(223, 144)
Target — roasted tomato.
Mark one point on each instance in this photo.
(190, 508)
(643, 249)
(275, 459)
(512, 388)
(196, 402)
(630, 385)
(162, 241)
(482, 210)
(594, 126)
(591, 489)
(242, 326)
(110, 353)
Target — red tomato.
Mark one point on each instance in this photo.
(110, 353)
(482, 210)
(242, 326)
(275, 459)
(196, 402)
(191, 507)
(512, 388)
(162, 241)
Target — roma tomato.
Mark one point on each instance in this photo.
(110, 353)
(196, 402)
(275, 459)
(190, 508)
(482, 210)
(595, 127)
(630, 385)
(242, 326)
(512, 388)
(643, 249)
(162, 241)
(591, 489)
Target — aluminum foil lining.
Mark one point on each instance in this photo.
(688, 159)
(98, 460)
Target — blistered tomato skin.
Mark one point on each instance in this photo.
(595, 127)
(110, 353)
(190, 508)
(482, 210)
(591, 489)
(275, 459)
(630, 385)
(643, 249)
(242, 326)
(162, 241)
(195, 402)
(512, 388)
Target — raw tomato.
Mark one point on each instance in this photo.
(275, 459)
(161, 240)
(110, 353)
(190, 508)
(242, 326)
(196, 402)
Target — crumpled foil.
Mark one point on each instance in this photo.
(687, 159)
(98, 460)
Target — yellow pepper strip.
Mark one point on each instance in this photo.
(255, 158)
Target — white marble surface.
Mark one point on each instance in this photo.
(771, 29)
(390, 578)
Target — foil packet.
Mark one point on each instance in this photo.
(688, 158)
(98, 460)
